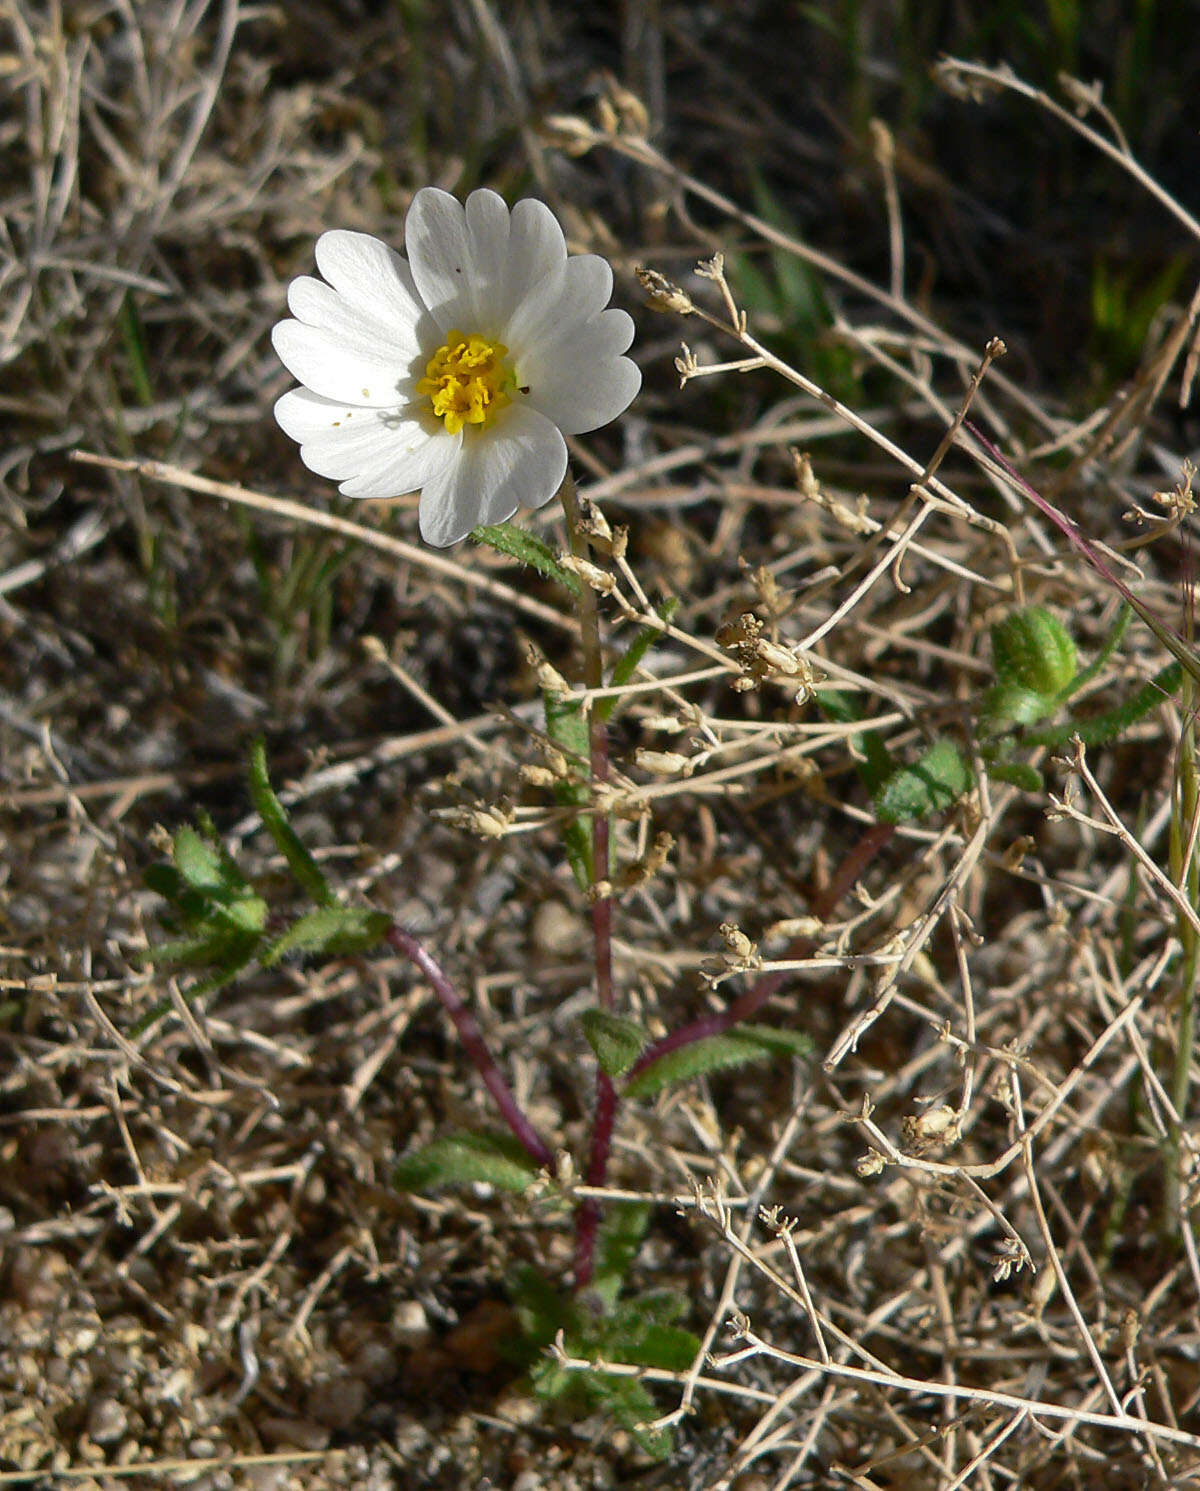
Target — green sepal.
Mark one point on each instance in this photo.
(617, 1042)
(525, 547)
(1011, 703)
(1032, 648)
(931, 785)
(275, 820)
(461, 1159)
(715, 1052)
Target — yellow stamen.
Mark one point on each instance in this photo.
(468, 381)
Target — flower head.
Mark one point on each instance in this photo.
(458, 370)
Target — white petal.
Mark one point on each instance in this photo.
(573, 293)
(322, 361)
(520, 460)
(580, 381)
(318, 304)
(371, 276)
(439, 255)
(373, 452)
(536, 251)
(487, 242)
(406, 470)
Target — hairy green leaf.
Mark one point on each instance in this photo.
(527, 548)
(567, 727)
(934, 783)
(712, 1053)
(462, 1159)
(1099, 729)
(329, 929)
(1017, 774)
(627, 664)
(198, 861)
(617, 1042)
(275, 820)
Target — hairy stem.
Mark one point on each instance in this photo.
(476, 1048)
(587, 1218)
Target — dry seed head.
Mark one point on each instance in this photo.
(556, 762)
(669, 724)
(593, 521)
(644, 869)
(591, 574)
(741, 954)
(796, 926)
(870, 1164)
(773, 598)
(620, 111)
(664, 763)
(937, 1127)
(686, 364)
(538, 776)
(550, 680)
(485, 820)
(1180, 501)
(806, 481)
(569, 133)
(664, 295)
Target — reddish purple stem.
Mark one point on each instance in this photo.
(472, 1038)
(587, 1219)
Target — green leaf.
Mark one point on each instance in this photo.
(246, 913)
(620, 1237)
(1032, 648)
(1017, 774)
(461, 1159)
(668, 1347)
(1114, 640)
(734, 1048)
(628, 1402)
(629, 661)
(1099, 729)
(935, 783)
(567, 727)
(527, 548)
(275, 821)
(541, 1309)
(330, 929)
(617, 1042)
(876, 764)
(198, 861)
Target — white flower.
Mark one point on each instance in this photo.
(457, 370)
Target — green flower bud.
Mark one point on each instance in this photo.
(1033, 650)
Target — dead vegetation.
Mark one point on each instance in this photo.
(955, 1251)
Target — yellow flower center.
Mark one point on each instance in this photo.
(467, 381)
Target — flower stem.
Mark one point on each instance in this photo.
(475, 1046)
(587, 1218)
(1185, 871)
